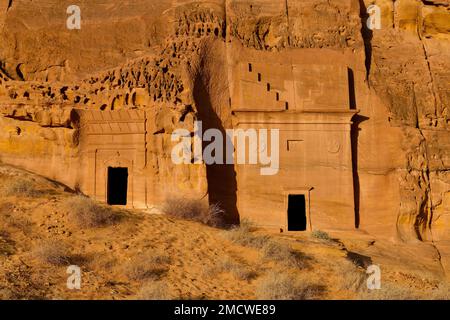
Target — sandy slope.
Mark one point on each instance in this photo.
(195, 250)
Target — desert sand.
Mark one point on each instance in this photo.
(196, 261)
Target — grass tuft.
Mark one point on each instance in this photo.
(154, 290)
(195, 210)
(244, 236)
(284, 254)
(147, 266)
(89, 214)
(21, 187)
(318, 234)
(52, 252)
(351, 277)
(227, 265)
(283, 286)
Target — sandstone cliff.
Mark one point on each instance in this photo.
(172, 59)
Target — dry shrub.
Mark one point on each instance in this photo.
(244, 236)
(247, 225)
(14, 218)
(194, 210)
(396, 291)
(272, 250)
(227, 265)
(352, 278)
(283, 286)
(7, 246)
(21, 187)
(147, 266)
(89, 214)
(103, 261)
(244, 273)
(154, 290)
(318, 234)
(284, 254)
(389, 291)
(52, 252)
(21, 223)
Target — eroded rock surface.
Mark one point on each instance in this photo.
(176, 61)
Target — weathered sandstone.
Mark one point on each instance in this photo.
(363, 115)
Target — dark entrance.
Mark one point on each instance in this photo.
(296, 213)
(117, 186)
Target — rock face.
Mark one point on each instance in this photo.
(300, 66)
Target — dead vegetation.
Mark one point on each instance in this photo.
(154, 290)
(20, 223)
(87, 213)
(286, 286)
(239, 270)
(318, 234)
(284, 254)
(352, 278)
(276, 285)
(7, 247)
(272, 250)
(52, 252)
(393, 290)
(13, 218)
(244, 235)
(388, 292)
(22, 283)
(21, 187)
(168, 262)
(147, 266)
(194, 210)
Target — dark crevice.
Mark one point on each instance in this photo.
(357, 120)
(161, 131)
(367, 35)
(428, 201)
(287, 19)
(3, 70)
(221, 178)
(19, 72)
(359, 260)
(351, 89)
(186, 111)
(432, 3)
